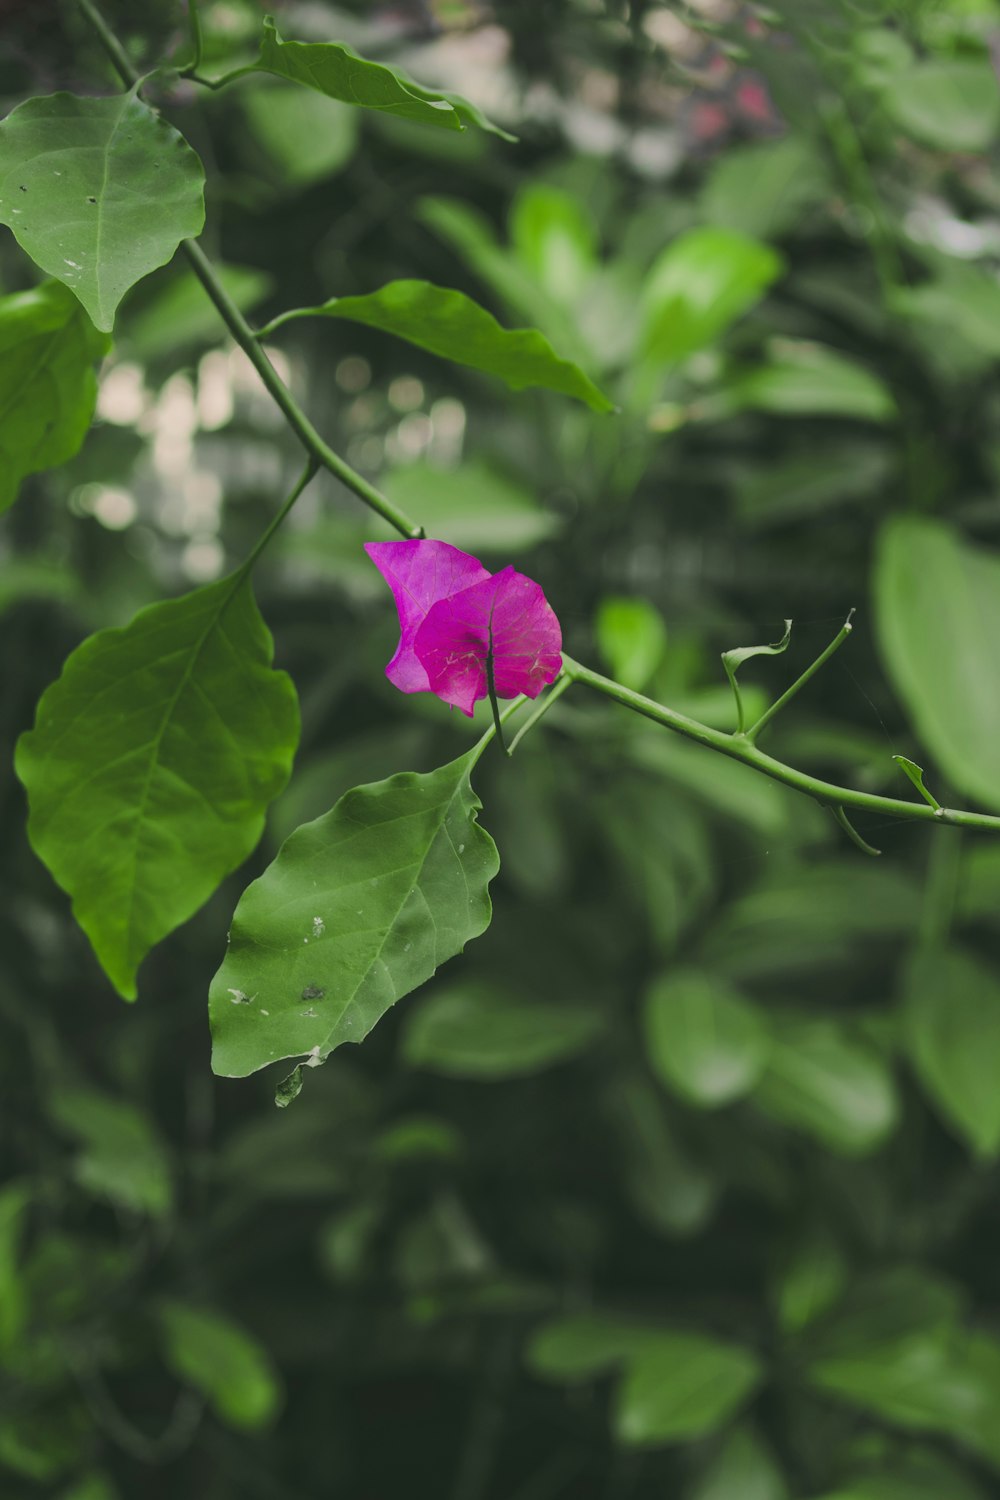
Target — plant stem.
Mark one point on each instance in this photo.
(739, 747)
(491, 687)
(800, 682)
(540, 710)
(308, 474)
(194, 22)
(247, 339)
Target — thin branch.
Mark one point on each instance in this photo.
(800, 682)
(247, 339)
(739, 747)
(540, 710)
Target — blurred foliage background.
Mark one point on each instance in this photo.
(682, 1181)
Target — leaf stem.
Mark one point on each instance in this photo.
(541, 709)
(740, 747)
(308, 474)
(247, 339)
(853, 834)
(194, 22)
(800, 682)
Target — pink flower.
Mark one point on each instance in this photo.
(450, 609)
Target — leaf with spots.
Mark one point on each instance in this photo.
(99, 192)
(152, 762)
(358, 909)
(48, 389)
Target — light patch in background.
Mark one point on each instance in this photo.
(123, 398)
(114, 508)
(203, 559)
(215, 399)
(448, 418)
(406, 393)
(353, 374)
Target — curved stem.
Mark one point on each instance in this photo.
(739, 747)
(541, 709)
(244, 335)
(194, 22)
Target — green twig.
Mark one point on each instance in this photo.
(800, 682)
(245, 336)
(740, 747)
(853, 834)
(194, 22)
(540, 710)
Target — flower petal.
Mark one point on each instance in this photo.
(452, 644)
(420, 573)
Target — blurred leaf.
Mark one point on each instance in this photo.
(473, 506)
(978, 896)
(798, 488)
(682, 1386)
(949, 104)
(805, 379)
(703, 1039)
(210, 1352)
(702, 282)
(951, 1019)
(335, 70)
(452, 325)
(676, 1386)
(555, 241)
(121, 1159)
(743, 1470)
(308, 137)
(14, 1200)
(728, 788)
(763, 189)
(938, 616)
(670, 1191)
(929, 1478)
(175, 732)
(99, 192)
(822, 1080)
(810, 1281)
(632, 638)
(48, 389)
(180, 314)
(307, 967)
(491, 1033)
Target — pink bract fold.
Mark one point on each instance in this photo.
(419, 574)
(448, 606)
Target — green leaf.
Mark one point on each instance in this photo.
(671, 1192)
(452, 325)
(473, 506)
(122, 1158)
(703, 282)
(808, 380)
(705, 1041)
(219, 1358)
(99, 192)
(734, 659)
(152, 762)
(810, 1282)
(308, 137)
(763, 189)
(743, 1470)
(333, 69)
(928, 1478)
(487, 1032)
(915, 774)
(555, 241)
(676, 1386)
(683, 1386)
(938, 620)
(822, 1080)
(948, 104)
(358, 909)
(48, 388)
(951, 1019)
(632, 638)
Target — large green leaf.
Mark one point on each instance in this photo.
(48, 389)
(632, 638)
(358, 909)
(704, 1040)
(763, 189)
(492, 1033)
(450, 324)
(938, 615)
(803, 379)
(951, 1016)
(219, 1358)
(701, 284)
(152, 762)
(830, 1084)
(99, 192)
(952, 104)
(338, 72)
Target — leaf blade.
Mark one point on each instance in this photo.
(393, 853)
(151, 763)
